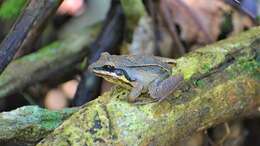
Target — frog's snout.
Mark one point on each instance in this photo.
(91, 67)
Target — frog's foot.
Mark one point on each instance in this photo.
(161, 89)
(135, 92)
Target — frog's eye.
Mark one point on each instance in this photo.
(108, 68)
(119, 72)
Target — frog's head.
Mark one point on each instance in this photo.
(109, 67)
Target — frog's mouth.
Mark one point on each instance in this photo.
(113, 76)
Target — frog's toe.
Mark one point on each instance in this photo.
(131, 98)
(133, 95)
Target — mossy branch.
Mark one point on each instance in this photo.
(30, 123)
(26, 28)
(221, 83)
(52, 59)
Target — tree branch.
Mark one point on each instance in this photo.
(30, 123)
(54, 58)
(221, 83)
(26, 29)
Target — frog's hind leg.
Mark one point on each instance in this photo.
(160, 89)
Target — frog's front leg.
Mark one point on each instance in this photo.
(135, 92)
(160, 89)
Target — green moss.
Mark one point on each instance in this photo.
(205, 59)
(206, 67)
(251, 67)
(187, 66)
(10, 9)
(226, 26)
(199, 63)
(244, 66)
(134, 10)
(258, 19)
(48, 51)
(199, 83)
(31, 122)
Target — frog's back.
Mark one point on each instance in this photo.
(146, 75)
(144, 60)
(122, 61)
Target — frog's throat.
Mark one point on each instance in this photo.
(114, 78)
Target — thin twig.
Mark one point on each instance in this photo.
(108, 41)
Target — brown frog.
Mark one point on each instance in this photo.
(138, 73)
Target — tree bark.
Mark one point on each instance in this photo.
(221, 83)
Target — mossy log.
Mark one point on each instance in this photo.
(30, 123)
(222, 82)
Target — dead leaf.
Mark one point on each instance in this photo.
(199, 20)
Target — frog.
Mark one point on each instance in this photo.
(139, 73)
